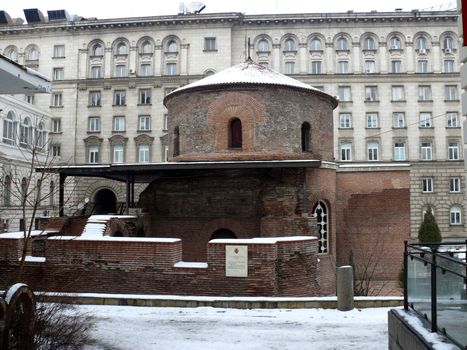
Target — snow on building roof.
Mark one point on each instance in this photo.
(248, 72)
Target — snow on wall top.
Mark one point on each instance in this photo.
(248, 72)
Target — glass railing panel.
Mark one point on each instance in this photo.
(419, 285)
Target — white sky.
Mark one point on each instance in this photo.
(106, 9)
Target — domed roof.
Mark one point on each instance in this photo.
(248, 72)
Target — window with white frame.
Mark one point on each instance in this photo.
(146, 48)
(453, 150)
(372, 120)
(395, 43)
(315, 67)
(144, 96)
(56, 125)
(171, 68)
(289, 45)
(397, 93)
(57, 99)
(425, 120)
(97, 50)
(94, 124)
(448, 66)
(346, 151)
(426, 150)
(145, 70)
(342, 67)
(94, 98)
(32, 54)
(345, 120)
(93, 156)
(344, 93)
(263, 46)
(422, 66)
(144, 123)
(55, 150)
(369, 43)
(448, 44)
(369, 66)
(143, 153)
(399, 151)
(373, 150)
(121, 49)
(118, 153)
(121, 70)
(427, 184)
(450, 93)
(315, 44)
(398, 120)
(59, 51)
(289, 68)
(342, 44)
(12, 54)
(455, 184)
(58, 73)
(396, 66)
(455, 215)
(421, 43)
(96, 72)
(171, 46)
(9, 129)
(210, 44)
(119, 97)
(424, 93)
(452, 120)
(29, 99)
(119, 123)
(371, 93)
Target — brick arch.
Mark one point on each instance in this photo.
(232, 225)
(235, 105)
(98, 185)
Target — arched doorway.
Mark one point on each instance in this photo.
(105, 202)
(223, 233)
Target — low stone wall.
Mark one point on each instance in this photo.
(286, 266)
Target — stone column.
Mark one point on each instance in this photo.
(329, 57)
(436, 57)
(356, 64)
(383, 57)
(184, 59)
(108, 68)
(276, 58)
(132, 60)
(409, 57)
(302, 58)
(157, 59)
(345, 287)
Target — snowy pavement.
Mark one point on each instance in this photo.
(206, 328)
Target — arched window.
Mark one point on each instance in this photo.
(421, 43)
(25, 133)
(395, 43)
(235, 133)
(7, 191)
(9, 129)
(41, 136)
(97, 50)
(448, 43)
(13, 55)
(172, 46)
(369, 43)
(176, 141)
(223, 233)
(209, 72)
(342, 44)
(146, 47)
(289, 45)
(455, 215)
(33, 54)
(263, 46)
(121, 49)
(306, 137)
(315, 44)
(320, 212)
(52, 193)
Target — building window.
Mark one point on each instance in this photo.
(235, 133)
(57, 99)
(209, 44)
(96, 72)
(315, 67)
(421, 44)
(396, 66)
(371, 93)
(395, 43)
(143, 153)
(59, 51)
(448, 44)
(369, 44)
(144, 123)
(171, 46)
(344, 93)
(345, 120)
(289, 45)
(315, 44)
(425, 120)
(424, 93)
(59, 74)
(94, 124)
(94, 98)
(427, 184)
(289, 67)
(448, 66)
(146, 48)
(119, 98)
(56, 125)
(145, 96)
(397, 93)
(450, 93)
(25, 132)
(32, 54)
(346, 151)
(93, 154)
(426, 149)
(97, 50)
(455, 184)
(455, 215)
(320, 212)
(30, 99)
(118, 153)
(453, 150)
(171, 68)
(306, 136)
(119, 124)
(342, 44)
(452, 120)
(398, 120)
(9, 129)
(121, 71)
(263, 46)
(372, 120)
(369, 66)
(342, 67)
(399, 151)
(55, 151)
(7, 191)
(145, 70)
(373, 151)
(422, 66)
(121, 49)
(12, 55)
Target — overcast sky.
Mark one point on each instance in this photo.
(106, 9)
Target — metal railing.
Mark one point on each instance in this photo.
(435, 280)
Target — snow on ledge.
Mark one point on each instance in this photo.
(262, 240)
(20, 234)
(37, 259)
(117, 239)
(13, 290)
(191, 265)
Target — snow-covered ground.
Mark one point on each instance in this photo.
(206, 328)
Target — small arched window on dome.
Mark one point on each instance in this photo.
(306, 135)
(176, 141)
(235, 133)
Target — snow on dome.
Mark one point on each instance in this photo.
(247, 72)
